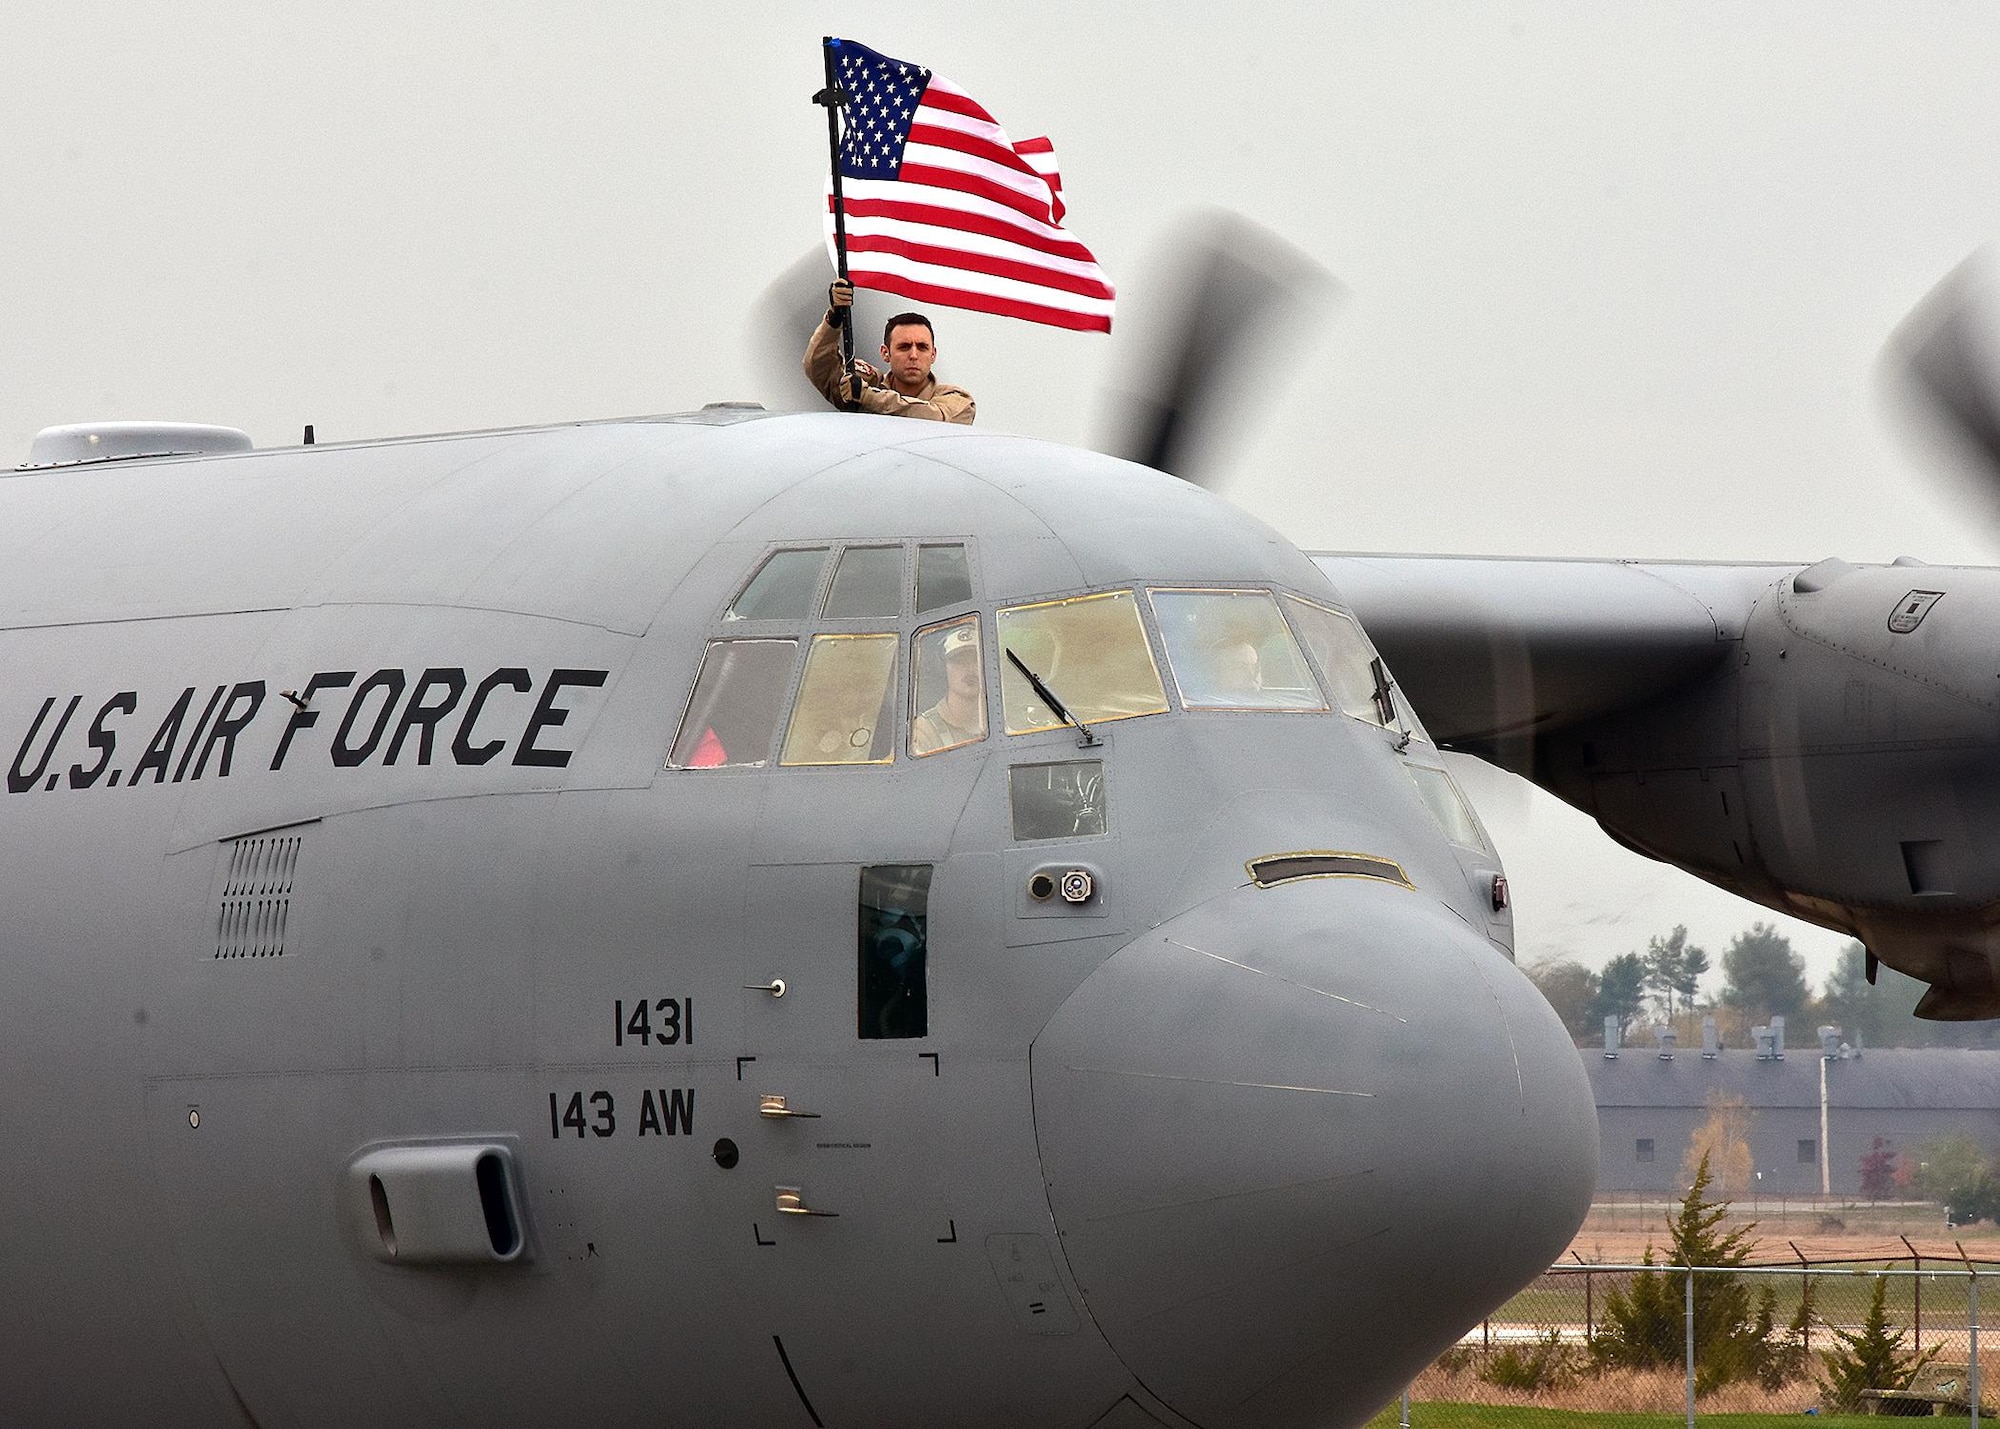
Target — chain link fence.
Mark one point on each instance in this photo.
(1654, 1345)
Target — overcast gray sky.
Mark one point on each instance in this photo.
(1616, 276)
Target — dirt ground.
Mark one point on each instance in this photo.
(1618, 1232)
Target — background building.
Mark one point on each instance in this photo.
(1651, 1106)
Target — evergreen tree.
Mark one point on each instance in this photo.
(1765, 977)
(1787, 1356)
(1621, 990)
(1735, 1336)
(1674, 968)
(1571, 989)
(1871, 1358)
(1852, 1002)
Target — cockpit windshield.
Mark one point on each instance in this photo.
(1077, 661)
(1231, 650)
(1091, 653)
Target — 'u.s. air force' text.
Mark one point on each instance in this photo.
(442, 715)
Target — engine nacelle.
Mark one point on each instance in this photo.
(1841, 764)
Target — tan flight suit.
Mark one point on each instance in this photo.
(937, 402)
(933, 730)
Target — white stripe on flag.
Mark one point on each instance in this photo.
(970, 282)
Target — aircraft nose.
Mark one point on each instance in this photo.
(1299, 1139)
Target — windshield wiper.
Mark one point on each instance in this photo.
(1385, 701)
(1048, 697)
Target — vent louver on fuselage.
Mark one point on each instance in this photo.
(257, 896)
(1273, 869)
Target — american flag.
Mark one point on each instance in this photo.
(942, 207)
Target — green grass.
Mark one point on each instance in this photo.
(1499, 1416)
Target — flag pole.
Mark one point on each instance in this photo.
(834, 98)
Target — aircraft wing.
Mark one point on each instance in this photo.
(1490, 647)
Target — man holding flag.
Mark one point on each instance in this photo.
(931, 200)
(909, 349)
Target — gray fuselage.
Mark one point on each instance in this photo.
(339, 828)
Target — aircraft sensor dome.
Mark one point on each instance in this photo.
(113, 441)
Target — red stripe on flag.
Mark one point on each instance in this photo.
(1042, 239)
(1035, 146)
(963, 104)
(978, 302)
(960, 182)
(980, 263)
(974, 145)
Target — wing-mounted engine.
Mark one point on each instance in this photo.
(1835, 753)
(1843, 766)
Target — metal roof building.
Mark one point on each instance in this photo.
(1649, 1105)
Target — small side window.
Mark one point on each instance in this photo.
(867, 582)
(1057, 801)
(893, 996)
(739, 697)
(942, 578)
(1448, 807)
(948, 698)
(783, 587)
(846, 702)
(1642, 1149)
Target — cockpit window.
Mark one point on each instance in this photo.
(1091, 653)
(867, 582)
(943, 578)
(783, 587)
(1448, 807)
(1348, 662)
(948, 698)
(1231, 650)
(739, 697)
(1344, 655)
(846, 702)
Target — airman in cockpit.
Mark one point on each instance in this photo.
(959, 716)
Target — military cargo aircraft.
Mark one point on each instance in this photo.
(731, 919)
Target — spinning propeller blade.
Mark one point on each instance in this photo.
(1244, 297)
(1946, 353)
